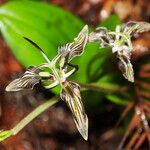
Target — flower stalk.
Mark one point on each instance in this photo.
(6, 134)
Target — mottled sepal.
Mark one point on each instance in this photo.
(125, 65)
(29, 79)
(71, 95)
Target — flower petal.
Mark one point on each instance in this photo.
(71, 95)
(125, 65)
(76, 48)
(136, 27)
(101, 35)
(27, 81)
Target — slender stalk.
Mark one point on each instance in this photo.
(28, 118)
(34, 114)
(104, 88)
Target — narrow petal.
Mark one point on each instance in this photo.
(29, 79)
(71, 95)
(76, 48)
(136, 27)
(125, 65)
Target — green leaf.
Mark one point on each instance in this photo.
(47, 25)
(83, 61)
(122, 100)
(111, 22)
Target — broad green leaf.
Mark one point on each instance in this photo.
(47, 25)
(111, 22)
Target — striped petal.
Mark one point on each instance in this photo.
(71, 95)
(125, 65)
(132, 27)
(27, 81)
(76, 48)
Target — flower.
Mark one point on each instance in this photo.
(56, 71)
(120, 42)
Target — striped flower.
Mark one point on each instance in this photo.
(59, 70)
(120, 42)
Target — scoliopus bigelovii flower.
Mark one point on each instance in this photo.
(55, 72)
(120, 42)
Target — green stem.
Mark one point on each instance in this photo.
(34, 114)
(104, 88)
